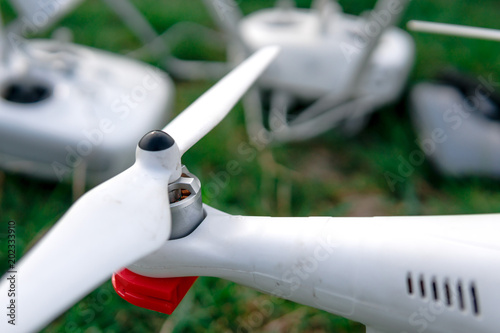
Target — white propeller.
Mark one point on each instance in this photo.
(193, 124)
(123, 219)
(454, 30)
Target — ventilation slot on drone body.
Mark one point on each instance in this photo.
(422, 286)
(447, 293)
(460, 293)
(475, 301)
(450, 294)
(435, 290)
(409, 284)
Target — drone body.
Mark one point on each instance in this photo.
(67, 109)
(335, 68)
(88, 113)
(320, 58)
(393, 274)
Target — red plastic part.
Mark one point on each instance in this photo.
(158, 294)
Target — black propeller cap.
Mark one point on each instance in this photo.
(156, 141)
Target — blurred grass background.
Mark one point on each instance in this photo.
(330, 175)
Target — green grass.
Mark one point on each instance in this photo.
(329, 175)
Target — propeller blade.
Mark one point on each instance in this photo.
(123, 219)
(110, 227)
(208, 110)
(454, 30)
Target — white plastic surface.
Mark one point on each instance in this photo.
(336, 68)
(354, 267)
(313, 64)
(101, 105)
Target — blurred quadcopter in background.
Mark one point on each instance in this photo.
(70, 111)
(458, 116)
(334, 70)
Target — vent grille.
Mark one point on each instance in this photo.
(446, 292)
(435, 290)
(475, 301)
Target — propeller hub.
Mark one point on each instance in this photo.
(158, 152)
(156, 141)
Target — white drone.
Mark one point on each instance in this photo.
(335, 68)
(70, 111)
(393, 274)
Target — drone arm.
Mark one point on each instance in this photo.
(354, 267)
(138, 24)
(292, 258)
(238, 248)
(394, 14)
(332, 116)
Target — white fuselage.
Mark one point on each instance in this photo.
(393, 274)
(97, 108)
(314, 63)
